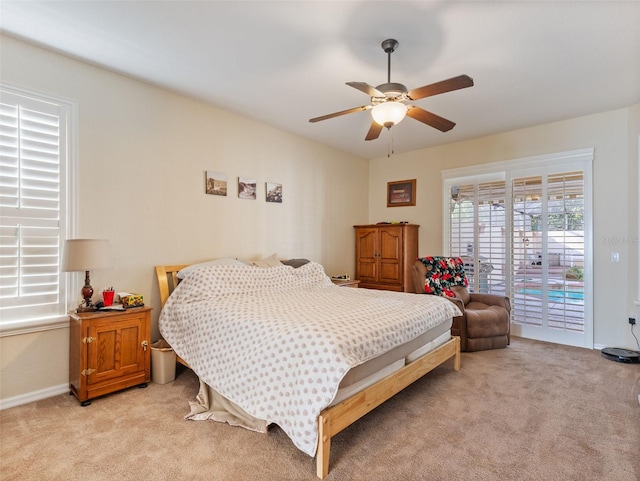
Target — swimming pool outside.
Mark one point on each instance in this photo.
(557, 295)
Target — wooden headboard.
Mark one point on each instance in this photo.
(167, 280)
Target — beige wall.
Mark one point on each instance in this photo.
(142, 155)
(614, 135)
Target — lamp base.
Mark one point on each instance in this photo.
(86, 305)
(86, 309)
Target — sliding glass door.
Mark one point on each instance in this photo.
(525, 233)
(548, 257)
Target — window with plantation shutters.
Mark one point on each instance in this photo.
(477, 232)
(549, 256)
(33, 211)
(523, 229)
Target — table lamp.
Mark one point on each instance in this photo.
(85, 255)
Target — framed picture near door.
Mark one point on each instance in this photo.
(401, 193)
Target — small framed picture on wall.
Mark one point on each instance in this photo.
(401, 193)
(274, 192)
(246, 188)
(216, 183)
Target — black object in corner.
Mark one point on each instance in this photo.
(621, 355)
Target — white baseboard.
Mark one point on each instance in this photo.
(33, 396)
(599, 347)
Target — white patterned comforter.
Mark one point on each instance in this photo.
(277, 341)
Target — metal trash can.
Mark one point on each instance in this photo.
(163, 362)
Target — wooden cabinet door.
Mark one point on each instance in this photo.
(116, 348)
(367, 252)
(390, 270)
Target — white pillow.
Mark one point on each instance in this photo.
(224, 261)
(271, 261)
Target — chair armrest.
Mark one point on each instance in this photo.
(492, 300)
(418, 274)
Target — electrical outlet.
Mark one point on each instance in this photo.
(632, 320)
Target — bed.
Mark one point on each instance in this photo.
(289, 347)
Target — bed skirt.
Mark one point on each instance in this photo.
(210, 404)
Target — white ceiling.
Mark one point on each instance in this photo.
(285, 62)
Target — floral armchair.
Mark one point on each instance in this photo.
(485, 321)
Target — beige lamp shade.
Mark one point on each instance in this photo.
(86, 255)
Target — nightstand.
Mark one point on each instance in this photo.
(108, 351)
(345, 283)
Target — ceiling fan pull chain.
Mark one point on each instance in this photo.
(390, 149)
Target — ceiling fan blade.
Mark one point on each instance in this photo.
(374, 131)
(455, 83)
(366, 88)
(430, 119)
(342, 112)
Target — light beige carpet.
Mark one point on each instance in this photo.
(533, 411)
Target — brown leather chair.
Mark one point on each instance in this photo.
(485, 322)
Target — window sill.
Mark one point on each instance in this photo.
(16, 328)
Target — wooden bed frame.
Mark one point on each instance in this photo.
(167, 281)
(336, 418)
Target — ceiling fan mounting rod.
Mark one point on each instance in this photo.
(389, 46)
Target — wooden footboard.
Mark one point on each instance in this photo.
(336, 418)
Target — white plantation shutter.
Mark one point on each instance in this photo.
(549, 212)
(33, 138)
(524, 229)
(477, 233)
(526, 194)
(461, 219)
(490, 262)
(566, 245)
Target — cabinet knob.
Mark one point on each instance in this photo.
(144, 344)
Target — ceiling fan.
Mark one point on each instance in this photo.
(388, 101)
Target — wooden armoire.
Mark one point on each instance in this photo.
(385, 254)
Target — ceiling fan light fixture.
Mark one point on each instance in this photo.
(388, 114)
